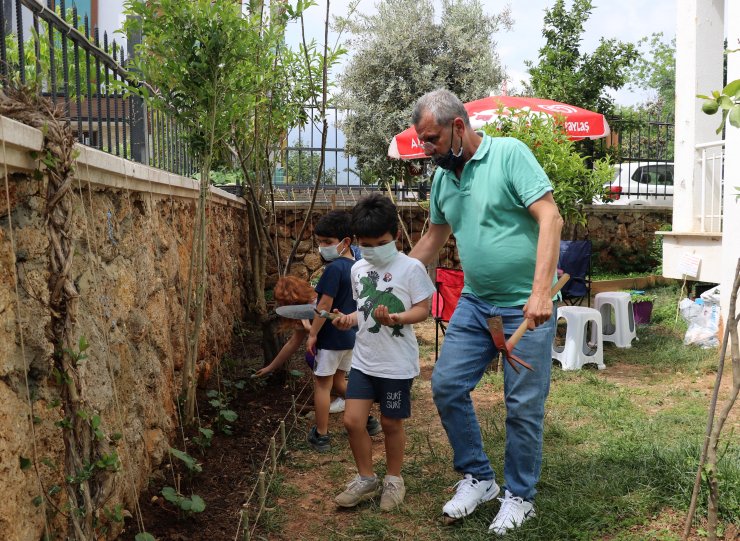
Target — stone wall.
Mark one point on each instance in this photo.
(623, 237)
(132, 236)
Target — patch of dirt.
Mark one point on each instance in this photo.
(230, 466)
(684, 384)
(302, 507)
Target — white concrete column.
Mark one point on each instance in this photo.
(731, 226)
(699, 48)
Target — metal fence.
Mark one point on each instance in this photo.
(49, 45)
(341, 181)
(68, 62)
(641, 148)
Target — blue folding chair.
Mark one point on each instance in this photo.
(575, 259)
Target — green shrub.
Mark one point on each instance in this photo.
(575, 185)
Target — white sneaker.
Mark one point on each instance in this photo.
(470, 493)
(514, 510)
(337, 406)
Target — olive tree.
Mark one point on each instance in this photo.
(400, 53)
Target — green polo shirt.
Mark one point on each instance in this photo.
(487, 211)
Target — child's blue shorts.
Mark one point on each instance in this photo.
(392, 395)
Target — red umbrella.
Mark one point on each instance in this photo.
(579, 123)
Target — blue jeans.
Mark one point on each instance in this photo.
(466, 352)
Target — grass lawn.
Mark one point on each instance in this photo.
(620, 452)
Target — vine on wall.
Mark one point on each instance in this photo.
(91, 460)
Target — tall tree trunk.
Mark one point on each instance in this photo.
(324, 130)
(708, 458)
(199, 274)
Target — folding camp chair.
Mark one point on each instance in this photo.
(449, 284)
(575, 259)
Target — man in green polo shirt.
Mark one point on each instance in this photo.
(495, 198)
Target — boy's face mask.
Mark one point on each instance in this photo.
(380, 255)
(330, 253)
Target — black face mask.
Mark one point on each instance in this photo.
(450, 161)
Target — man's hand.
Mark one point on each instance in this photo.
(538, 309)
(382, 316)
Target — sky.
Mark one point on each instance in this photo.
(626, 20)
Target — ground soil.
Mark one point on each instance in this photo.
(230, 466)
(232, 463)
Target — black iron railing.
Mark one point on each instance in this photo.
(641, 148)
(85, 74)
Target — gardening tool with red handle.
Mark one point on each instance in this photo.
(506, 347)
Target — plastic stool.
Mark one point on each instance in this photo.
(621, 331)
(578, 347)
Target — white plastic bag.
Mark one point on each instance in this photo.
(702, 317)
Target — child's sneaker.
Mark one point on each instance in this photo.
(470, 493)
(358, 490)
(319, 442)
(514, 510)
(337, 406)
(393, 492)
(373, 426)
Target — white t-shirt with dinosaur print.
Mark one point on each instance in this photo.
(382, 351)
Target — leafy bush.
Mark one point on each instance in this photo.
(641, 296)
(575, 185)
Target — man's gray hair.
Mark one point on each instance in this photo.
(444, 106)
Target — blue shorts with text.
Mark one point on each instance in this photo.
(392, 395)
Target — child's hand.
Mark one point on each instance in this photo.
(343, 322)
(311, 343)
(384, 317)
(263, 372)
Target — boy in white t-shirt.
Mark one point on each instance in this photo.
(392, 292)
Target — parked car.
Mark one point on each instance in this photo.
(641, 183)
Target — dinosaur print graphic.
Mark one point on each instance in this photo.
(373, 298)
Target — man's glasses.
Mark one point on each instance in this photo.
(428, 148)
(431, 148)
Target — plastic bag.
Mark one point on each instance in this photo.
(702, 317)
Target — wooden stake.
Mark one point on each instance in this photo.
(261, 488)
(283, 438)
(273, 454)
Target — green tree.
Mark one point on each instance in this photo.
(574, 184)
(226, 76)
(402, 52)
(226, 73)
(655, 70)
(303, 163)
(727, 100)
(564, 73)
(188, 54)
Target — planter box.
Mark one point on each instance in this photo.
(638, 282)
